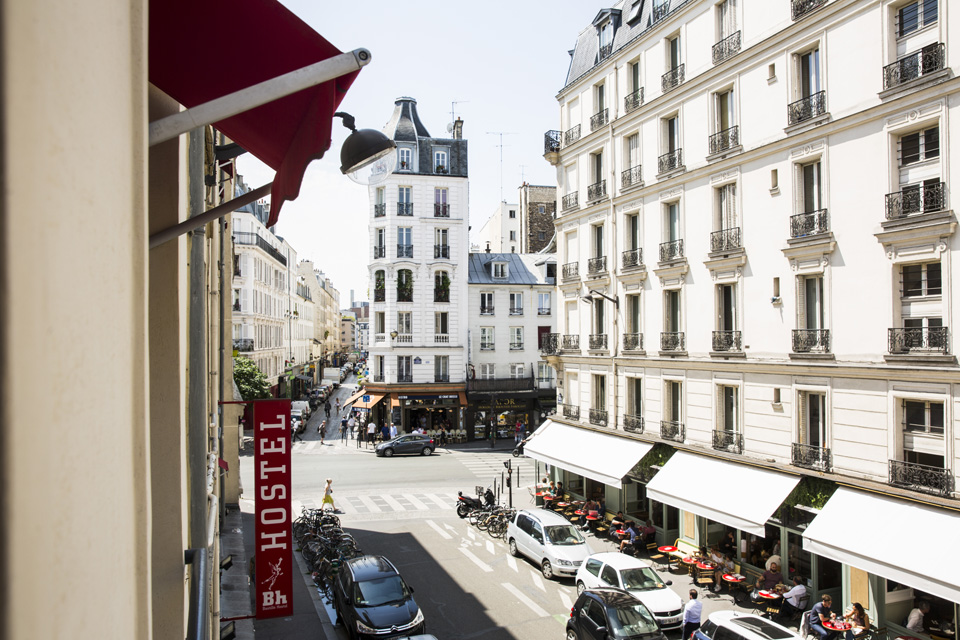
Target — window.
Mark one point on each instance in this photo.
(599, 321)
(441, 368)
(596, 161)
(923, 417)
(513, 214)
(541, 235)
(633, 314)
(404, 204)
(379, 322)
(919, 146)
(404, 323)
(381, 195)
(673, 404)
(405, 157)
(635, 396)
(726, 18)
(516, 369)
(727, 401)
(810, 303)
(440, 207)
(599, 392)
(673, 52)
(544, 372)
(726, 307)
(812, 415)
(516, 338)
(672, 311)
(915, 16)
(486, 339)
(726, 208)
(513, 236)
(606, 38)
(672, 222)
(440, 161)
(632, 240)
(486, 303)
(404, 369)
(487, 371)
(404, 285)
(632, 152)
(441, 248)
(635, 76)
(598, 241)
(499, 269)
(441, 325)
(541, 208)
(921, 280)
(808, 73)
(672, 133)
(600, 96)
(811, 193)
(543, 303)
(516, 304)
(723, 110)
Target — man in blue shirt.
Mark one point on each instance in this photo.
(630, 536)
(691, 615)
(819, 614)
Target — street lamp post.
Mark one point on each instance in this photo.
(509, 465)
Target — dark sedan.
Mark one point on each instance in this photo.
(373, 601)
(411, 443)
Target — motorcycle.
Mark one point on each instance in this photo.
(518, 450)
(466, 504)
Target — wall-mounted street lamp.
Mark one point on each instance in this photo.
(367, 155)
(593, 292)
(393, 334)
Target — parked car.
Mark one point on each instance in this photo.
(612, 569)
(548, 539)
(410, 443)
(303, 406)
(732, 625)
(373, 601)
(611, 613)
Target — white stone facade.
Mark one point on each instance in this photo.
(501, 232)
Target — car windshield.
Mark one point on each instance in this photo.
(565, 534)
(635, 620)
(380, 591)
(641, 579)
(762, 627)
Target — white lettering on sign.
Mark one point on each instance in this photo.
(264, 469)
(275, 425)
(281, 535)
(276, 492)
(273, 445)
(274, 599)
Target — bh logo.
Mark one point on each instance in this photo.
(274, 599)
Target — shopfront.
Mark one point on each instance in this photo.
(504, 412)
(427, 412)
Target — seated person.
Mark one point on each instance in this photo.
(630, 537)
(858, 619)
(718, 559)
(589, 508)
(618, 522)
(729, 544)
(915, 619)
(770, 578)
(793, 599)
(649, 532)
(819, 614)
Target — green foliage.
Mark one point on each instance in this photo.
(811, 492)
(250, 380)
(656, 457)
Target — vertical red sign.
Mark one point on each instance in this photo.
(274, 548)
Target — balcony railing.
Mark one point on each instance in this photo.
(516, 311)
(727, 47)
(672, 250)
(379, 210)
(516, 346)
(379, 338)
(571, 135)
(571, 411)
(724, 440)
(598, 417)
(633, 101)
(486, 310)
(800, 8)
(920, 477)
(727, 341)
(551, 141)
(672, 341)
(441, 251)
(633, 423)
(598, 341)
(811, 341)
(630, 177)
(441, 210)
(441, 338)
(379, 251)
(597, 191)
(571, 200)
(243, 344)
(405, 338)
(488, 346)
(810, 223)
(246, 237)
(632, 258)
(550, 344)
(633, 341)
(596, 265)
(605, 51)
(672, 430)
(404, 377)
(914, 199)
(725, 240)
(404, 208)
(597, 120)
(441, 169)
(670, 161)
(917, 340)
(441, 377)
(571, 271)
(571, 342)
(660, 11)
(441, 295)
(544, 311)
(913, 65)
(404, 250)
(487, 385)
(811, 457)
(405, 294)
(724, 140)
(806, 108)
(672, 79)
(236, 306)
(379, 295)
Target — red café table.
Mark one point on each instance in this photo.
(837, 625)
(734, 580)
(579, 512)
(666, 549)
(706, 566)
(769, 595)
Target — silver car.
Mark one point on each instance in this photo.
(548, 539)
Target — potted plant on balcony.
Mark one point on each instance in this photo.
(441, 168)
(404, 288)
(379, 286)
(442, 288)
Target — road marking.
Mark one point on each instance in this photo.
(477, 561)
(537, 581)
(416, 503)
(449, 527)
(443, 534)
(525, 600)
(396, 506)
(370, 504)
(471, 534)
(512, 562)
(490, 547)
(565, 599)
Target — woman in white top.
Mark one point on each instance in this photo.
(328, 495)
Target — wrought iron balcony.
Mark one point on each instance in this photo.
(660, 11)
(249, 238)
(727, 341)
(516, 311)
(487, 385)
(811, 341)
(806, 108)
(672, 341)
(914, 199)
(571, 271)
(379, 210)
(379, 295)
(571, 200)
(597, 120)
(633, 101)
(918, 340)
(725, 240)
(441, 210)
(726, 48)
(672, 430)
(598, 341)
(236, 306)
(550, 344)
(441, 377)
(404, 250)
(920, 477)
(486, 310)
(811, 457)
(571, 135)
(670, 161)
(724, 440)
(571, 342)
(913, 65)
(597, 191)
(243, 345)
(810, 223)
(404, 377)
(800, 8)
(516, 346)
(630, 177)
(605, 51)
(632, 258)
(441, 338)
(724, 140)
(597, 265)
(379, 251)
(571, 411)
(672, 250)
(598, 417)
(441, 295)
(441, 251)
(672, 79)
(633, 341)
(543, 311)
(488, 346)
(405, 294)
(633, 423)
(404, 208)
(551, 141)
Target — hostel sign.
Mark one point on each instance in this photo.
(274, 553)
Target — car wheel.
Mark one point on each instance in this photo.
(426, 451)
(580, 587)
(571, 634)
(388, 452)
(513, 548)
(547, 570)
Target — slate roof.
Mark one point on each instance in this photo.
(521, 269)
(405, 123)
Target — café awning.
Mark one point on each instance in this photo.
(368, 401)
(735, 494)
(356, 396)
(889, 551)
(598, 456)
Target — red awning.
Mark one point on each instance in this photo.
(204, 49)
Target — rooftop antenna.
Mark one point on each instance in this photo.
(453, 114)
(522, 174)
(501, 134)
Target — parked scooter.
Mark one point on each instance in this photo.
(466, 504)
(518, 450)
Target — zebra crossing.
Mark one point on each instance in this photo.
(489, 465)
(362, 504)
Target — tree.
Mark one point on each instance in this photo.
(250, 380)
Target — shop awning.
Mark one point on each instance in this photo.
(368, 401)
(201, 51)
(909, 544)
(304, 378)
(359, 394)
(737, 495)
(597, 456)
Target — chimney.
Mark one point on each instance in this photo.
(458, 129)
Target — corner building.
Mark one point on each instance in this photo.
(756, 239)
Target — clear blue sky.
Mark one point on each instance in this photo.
(504, 61)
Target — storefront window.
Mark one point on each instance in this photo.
(574, 483)
(656, 513)
(829, 574)
(798, 560)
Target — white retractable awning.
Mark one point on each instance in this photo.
(889, 549)
(597, 456)
(737, 495)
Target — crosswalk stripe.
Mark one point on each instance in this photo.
(416, 503)
(370, 504)
(443, 534)
(390, 500)
(512, 562)
(477, 561)
(565, 599)
(490, 547)
(537, 581)
(519, 595)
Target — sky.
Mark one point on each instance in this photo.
(502, 62)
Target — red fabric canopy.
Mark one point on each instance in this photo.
(205, 49)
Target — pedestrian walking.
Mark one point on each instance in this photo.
(492, 435)
(326, 407)
(338, 406)
(691, 615)
(321, 429)
(371, 431)
(351, 423)
(343, 434)
(328, 496)
(296, 434)
(393, 431)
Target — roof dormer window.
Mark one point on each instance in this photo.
(606, 40)
(606, 24)
(405, 159)
(499, 269)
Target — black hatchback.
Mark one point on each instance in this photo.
(373, 601)
(611, 613)
(410, 443)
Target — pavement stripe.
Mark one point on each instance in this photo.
(525, 600)
(490, 547)
(512, 562)
(537, 581)
(416, 503)
(449, 527)
(370, 504)
(477, 561)
(390, 500)
(565, 599)
(471, 534)
(443, 534)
